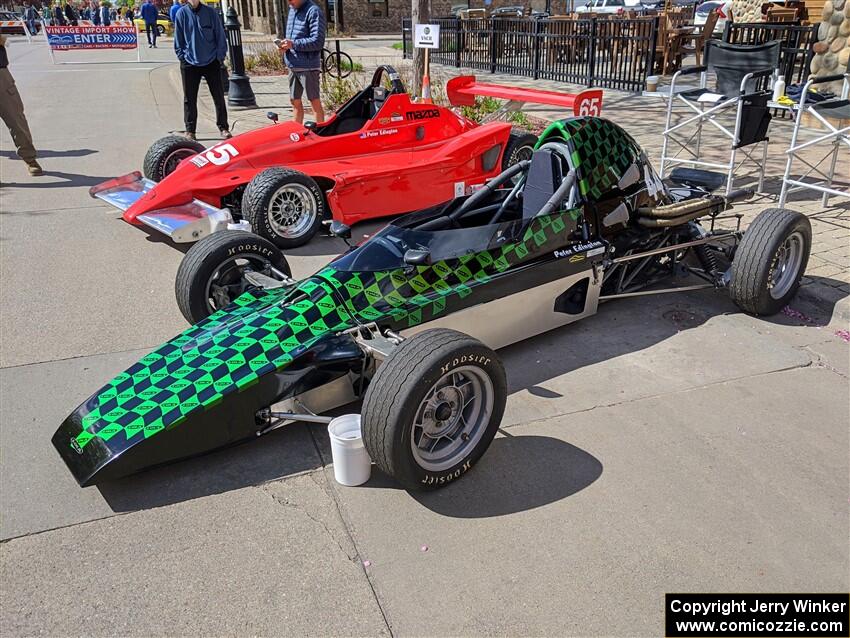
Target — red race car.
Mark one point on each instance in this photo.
(380, 154)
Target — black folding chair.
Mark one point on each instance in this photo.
(744, 76)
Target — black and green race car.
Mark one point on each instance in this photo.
(410, 319)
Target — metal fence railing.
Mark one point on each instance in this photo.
(613, 52)
(797, 41)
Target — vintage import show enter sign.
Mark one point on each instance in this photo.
(91, 37)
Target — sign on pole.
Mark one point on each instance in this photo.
(427, 36)
(68, 38)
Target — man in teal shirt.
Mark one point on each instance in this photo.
(201, 46)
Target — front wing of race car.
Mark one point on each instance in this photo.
(185, 223)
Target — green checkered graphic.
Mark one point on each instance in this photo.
(414, 297)
(601, 152)
(263, 331)
(229, 351)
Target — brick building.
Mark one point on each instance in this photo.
(361, 16)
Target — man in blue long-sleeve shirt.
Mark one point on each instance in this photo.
(305, 38)
(200, 45)
(150, 15)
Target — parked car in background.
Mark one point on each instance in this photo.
(163, 25)
(509, 12)
(724, 14)
(603, 6)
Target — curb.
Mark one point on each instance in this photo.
(836, 304)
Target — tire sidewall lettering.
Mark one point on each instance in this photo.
(255, 249)
(479, 360)
(447, 476)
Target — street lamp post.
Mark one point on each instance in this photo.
(240, 93)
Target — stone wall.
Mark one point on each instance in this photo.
(832, 50)
(746, 10)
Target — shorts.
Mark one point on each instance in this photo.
(301, 80)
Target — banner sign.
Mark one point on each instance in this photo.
(85, 37)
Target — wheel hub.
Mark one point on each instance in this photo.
(785, 267)
(453, 416)
(292, 210)
(443, 412)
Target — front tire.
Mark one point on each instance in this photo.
(770, 261)
(210, 276)
(284, 206)
(165, 154)
(520, 146)
(433, 407)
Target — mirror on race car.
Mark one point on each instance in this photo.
(338, 229)
(414, 257)
(272, 116)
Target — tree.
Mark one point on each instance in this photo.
(420, 13)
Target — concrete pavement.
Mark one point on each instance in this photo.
(667, 444)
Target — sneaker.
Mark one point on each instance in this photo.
(190, 135)
(34, 168)
(226, 134)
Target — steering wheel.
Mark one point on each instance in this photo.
(395, 81)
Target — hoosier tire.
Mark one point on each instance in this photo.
(520, 146)
(433, 407)
(211, 273)
(165, 154)
(284, 206)
(770, 261)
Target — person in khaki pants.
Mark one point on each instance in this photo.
(12, 113)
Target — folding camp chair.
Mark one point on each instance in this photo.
(835, 109)
(743, 74)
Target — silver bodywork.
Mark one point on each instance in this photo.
(519, 316)
(183, 224)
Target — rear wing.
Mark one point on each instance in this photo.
(463, 90)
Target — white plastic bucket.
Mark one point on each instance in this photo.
(352, 465)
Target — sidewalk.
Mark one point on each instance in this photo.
(827, 280)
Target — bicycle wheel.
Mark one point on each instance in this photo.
(338, 64)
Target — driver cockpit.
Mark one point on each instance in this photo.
(354, 114)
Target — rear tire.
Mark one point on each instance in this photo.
(284, 206)
(433, 407)
(210, 275)
(165, 154)
(520, 146)
(770, 261)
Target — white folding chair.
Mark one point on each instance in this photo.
(742, 73)
(837, 138)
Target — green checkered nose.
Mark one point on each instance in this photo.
(261, 333)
